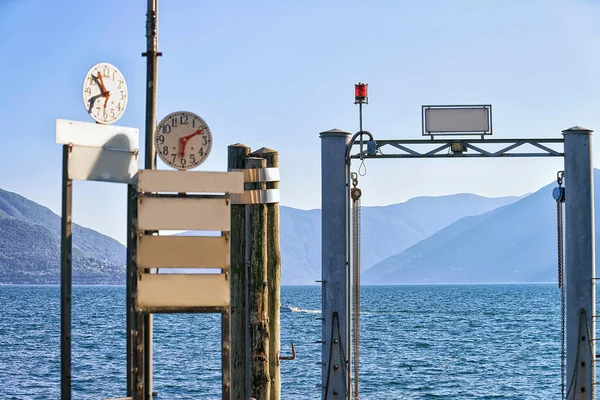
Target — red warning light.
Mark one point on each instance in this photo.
(360, 93)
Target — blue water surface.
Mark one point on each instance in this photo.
(417, 342)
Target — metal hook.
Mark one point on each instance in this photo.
(354, 176)
(559, 177)
(293, 356)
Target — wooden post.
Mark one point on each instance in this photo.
(236, 154)
(273, 277)
(258, 381)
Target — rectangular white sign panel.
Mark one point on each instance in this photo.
(190, 181)
(457, 119)
(182, 252)
(96, 135)
(156, 213)
(97, 164)
(172, 291)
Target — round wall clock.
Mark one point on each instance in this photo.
(183, 140)
(104, 93)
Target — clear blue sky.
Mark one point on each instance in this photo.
(277, 73)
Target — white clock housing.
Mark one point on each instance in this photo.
(105, 93)
(183, 140)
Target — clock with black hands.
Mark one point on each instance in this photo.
(183, 140)
(105, 93)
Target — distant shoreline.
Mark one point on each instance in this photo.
(312, 285)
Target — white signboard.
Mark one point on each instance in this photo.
(169, 291)
(190, 181)
(155, 213)
(98, 164)
(475, 119)
(96, 135)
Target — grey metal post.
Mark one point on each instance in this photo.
(66, 270)
(151, 55)
(580, 264)
(335, 266)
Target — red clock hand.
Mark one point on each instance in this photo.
(104, 91)
(106, 100)
(183, 141)
(199, 131)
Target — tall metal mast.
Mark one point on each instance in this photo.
(151, 55)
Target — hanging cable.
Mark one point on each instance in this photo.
(355, 194)
(559, 195)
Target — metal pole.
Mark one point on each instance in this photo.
(335, 265)
(129, 301)
(226, 354)
(150, 156)
(151, 55)
(66, 278)
(580, 264)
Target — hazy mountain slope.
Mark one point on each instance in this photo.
(386, 230)
(30, 247)
(30, 238)
(516, 243)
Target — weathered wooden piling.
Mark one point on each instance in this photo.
(236, 155)
(273, 276)
(257, 338)
(255, 277)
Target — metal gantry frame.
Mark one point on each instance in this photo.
(338, 149)
(443, 148)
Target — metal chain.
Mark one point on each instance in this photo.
(356, 194)
(561, 276)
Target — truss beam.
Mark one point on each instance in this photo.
(473, 148)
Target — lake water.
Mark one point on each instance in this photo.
(462, 342)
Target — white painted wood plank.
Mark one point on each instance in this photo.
(190, 181)
(182, 252)
(97, 164)
(181, 291)
(156, 213)
(96, 135)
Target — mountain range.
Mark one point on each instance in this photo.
(30, 247)
(513, 243)
(446, 239)
(30, 238)
(385, 230)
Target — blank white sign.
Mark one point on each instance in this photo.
(457, 120)
(96, 135)
(98, 164)
(156, 291)
(182, 252)
(183, 214)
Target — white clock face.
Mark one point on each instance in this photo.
(105, 93)
(183, 140)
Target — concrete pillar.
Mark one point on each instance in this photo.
(335, 356)
(580, 264)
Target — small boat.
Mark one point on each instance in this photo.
(289, 309)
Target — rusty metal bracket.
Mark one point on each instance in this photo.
(293, 356)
